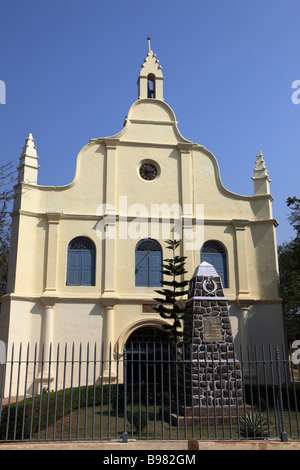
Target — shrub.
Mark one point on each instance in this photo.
(253, 426)
(138, 418)
(20, 420)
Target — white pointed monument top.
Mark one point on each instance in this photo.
(205, 269)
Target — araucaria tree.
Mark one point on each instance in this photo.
(170, 305)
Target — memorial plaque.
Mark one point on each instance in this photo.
(212, 329)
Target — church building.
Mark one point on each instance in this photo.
(86, 257)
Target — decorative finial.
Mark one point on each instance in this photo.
(261, 178)
(28, 167)
(29, 148)
(149, 45)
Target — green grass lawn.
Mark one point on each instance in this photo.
(96, 423)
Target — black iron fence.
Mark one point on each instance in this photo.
(148, 391)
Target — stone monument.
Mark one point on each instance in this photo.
(212, 374)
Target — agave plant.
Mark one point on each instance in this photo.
(253, 425)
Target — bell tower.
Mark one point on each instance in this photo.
(150, 81)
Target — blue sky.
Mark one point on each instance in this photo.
(71, 67)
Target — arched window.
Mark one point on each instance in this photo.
(151, 85)
(148, 263)
(214, 253)
(81, 262)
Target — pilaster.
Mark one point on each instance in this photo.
(46, 352)
(52, 244)
(109, 372)
(186, 181)
(187, 203)
(241, 257)
(110, 216)
(245, 308)
(110, 193)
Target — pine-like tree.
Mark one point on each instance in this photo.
(171, 306)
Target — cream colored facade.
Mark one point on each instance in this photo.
(42, 308)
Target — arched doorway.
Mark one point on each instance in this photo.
(145, 349)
